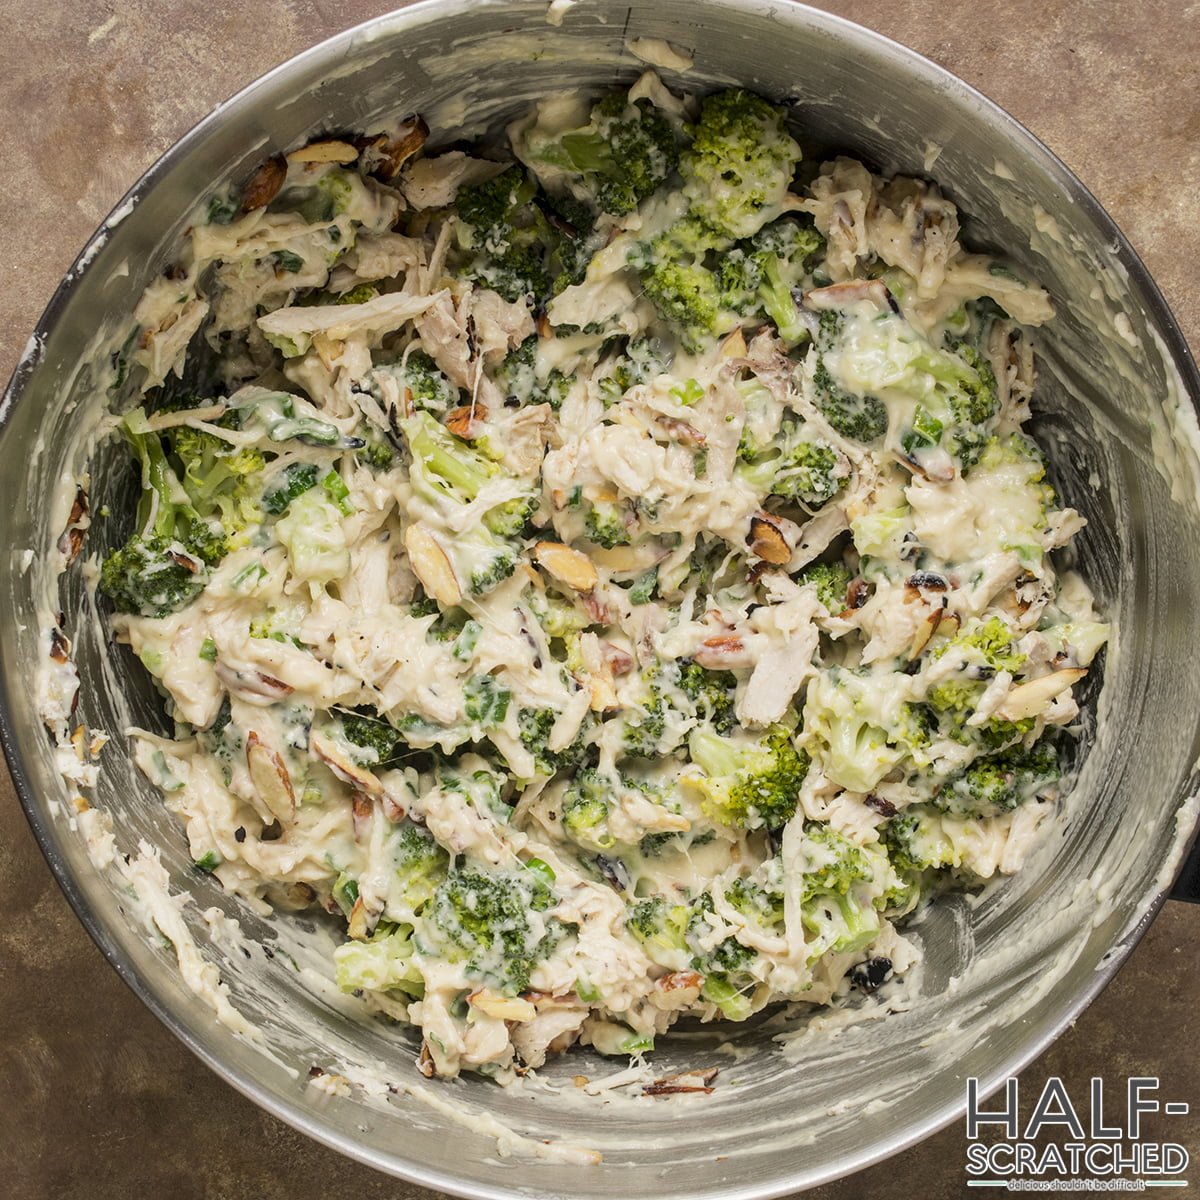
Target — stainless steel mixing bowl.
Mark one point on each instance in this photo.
(1003, 975)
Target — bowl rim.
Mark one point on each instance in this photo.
(1140, 286)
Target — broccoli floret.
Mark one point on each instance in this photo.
(740, 163)
(493, 922)
(981, 651)
(1000, 782)
(712, 692)
(506, 239)
(428, 387)
(164, 565)
(605, 524)
(916, 843)
(761, 903)
(421, 865)
(661, 928)
(295, 479)
(794, 466)
(684, 294)
(486, 701)
(758, 277)
(684, 291)
(446, 467)
(221, 480)
(850, 724)
(861, 418)
(535, 725)
(623, 154)
(838, 913)
(585, 810)
(831, 861)
(832, 581)
(645, 721)
(378, 743)
(749, 784)
(517, 376)
(642, 359)
(383, 963)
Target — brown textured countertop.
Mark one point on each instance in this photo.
(97, 1100)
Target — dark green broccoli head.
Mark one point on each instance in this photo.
(535, 725)
(740, 163)
(1001, 782)
(749, 784)
(585, 809)
(152, 576)
(377, 742)
(832, 581)
(429, 388)
(712, 692)
(421, 864)
(164, 564)
(509, 240)
(860, 418)
(485, 919)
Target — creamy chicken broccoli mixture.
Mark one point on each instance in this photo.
(606, 569)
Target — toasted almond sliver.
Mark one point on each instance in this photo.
(464, 420)
(506, 1008)
(1031, 698)
(431, 566)
(734, 346)
(324, 152)
(270, 778)
(342, 765)
(567, 565)
(263, 186)
(924, 631)
(356, 927)
(766, 541)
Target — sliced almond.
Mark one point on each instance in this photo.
(620, 662)
(358, 924)
(254, 687)
(361, 815)
(723, 652)
(603, 694)
(71, 541)
(263, 186)
(388, 154)
(425, 1061)
(344, 767)
(734, 345)
(431, 566)
(683, 432)
(465, 421)
(393, 809)
(925, 630)
(60, 647)
(324, 152)
(271, 779)
(1031, 698)
(767, 542)
(568, 566)
(329, 350)
(601, 493)
(506, 1008)
(839, 295)
(677, 980)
